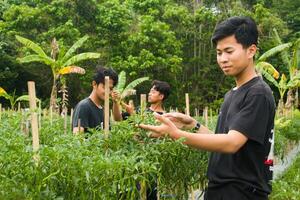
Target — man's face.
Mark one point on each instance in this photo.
(100, 89)
(154, 96)
(232, 58)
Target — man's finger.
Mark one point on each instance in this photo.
(163, 119)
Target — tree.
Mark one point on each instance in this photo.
(58, 60)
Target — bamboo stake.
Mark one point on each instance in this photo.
(0, 111)
(71, 117)
(106, 107)
(143, 103)
(34, 119)
(205, 114)
(187, 104)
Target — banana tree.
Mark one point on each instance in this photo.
(290, 57)
(12, 98)
(58, 61)
(128, 90)
(267, 69)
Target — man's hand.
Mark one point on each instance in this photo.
(115, 96)
(128, 108)
(167, 127)
(181, 121)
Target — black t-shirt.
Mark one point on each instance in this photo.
(250, 110)
(89, 114)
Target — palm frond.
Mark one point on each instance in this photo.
(31, 45)
(127, 93)
(136, 82)
(36, 58)
(81, 57)
(26, 98)
(71, 70)
(73, 49)
(284, 54)
(274, 51)
(267, 68)
(122, 81)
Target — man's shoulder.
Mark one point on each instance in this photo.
(260, 87)
(84, 103)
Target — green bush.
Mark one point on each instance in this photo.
(94, 167)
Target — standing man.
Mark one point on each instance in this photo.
(89, 111)
(239, 167)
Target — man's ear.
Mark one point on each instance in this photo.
(94, 84)
(252, 51)
(162, 96)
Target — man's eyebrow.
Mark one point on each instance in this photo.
(226, 49)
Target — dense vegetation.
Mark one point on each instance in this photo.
(162, 39)
(94, 167)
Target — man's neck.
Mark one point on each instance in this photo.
(245, 76)
(96, 100)
(157, 107)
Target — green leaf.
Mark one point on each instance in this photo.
(26, 98)
(36, 58)
(122, 81)
(75, 46)
(31, 45)
(133, 84)
(274, 51)
(81, 57)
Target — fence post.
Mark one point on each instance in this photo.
(34, 117)
(106, 107)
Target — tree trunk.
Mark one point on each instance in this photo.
(54, 95)
(290, 100)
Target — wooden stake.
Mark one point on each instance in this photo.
(187, 104)
(143, 103)
(71, 117)
(106, 107)
(34, 119)
(205, 115)
(0, 111)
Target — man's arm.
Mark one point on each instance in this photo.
(76, 130)
(116, 106)
(225, 143)
(183, 121)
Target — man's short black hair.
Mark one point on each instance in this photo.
(243, 28)
(101, 72)
(162, 87)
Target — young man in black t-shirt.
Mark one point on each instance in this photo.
(90, 110)
(241, 165)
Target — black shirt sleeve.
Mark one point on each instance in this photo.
(252, 119)
(81, 112)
